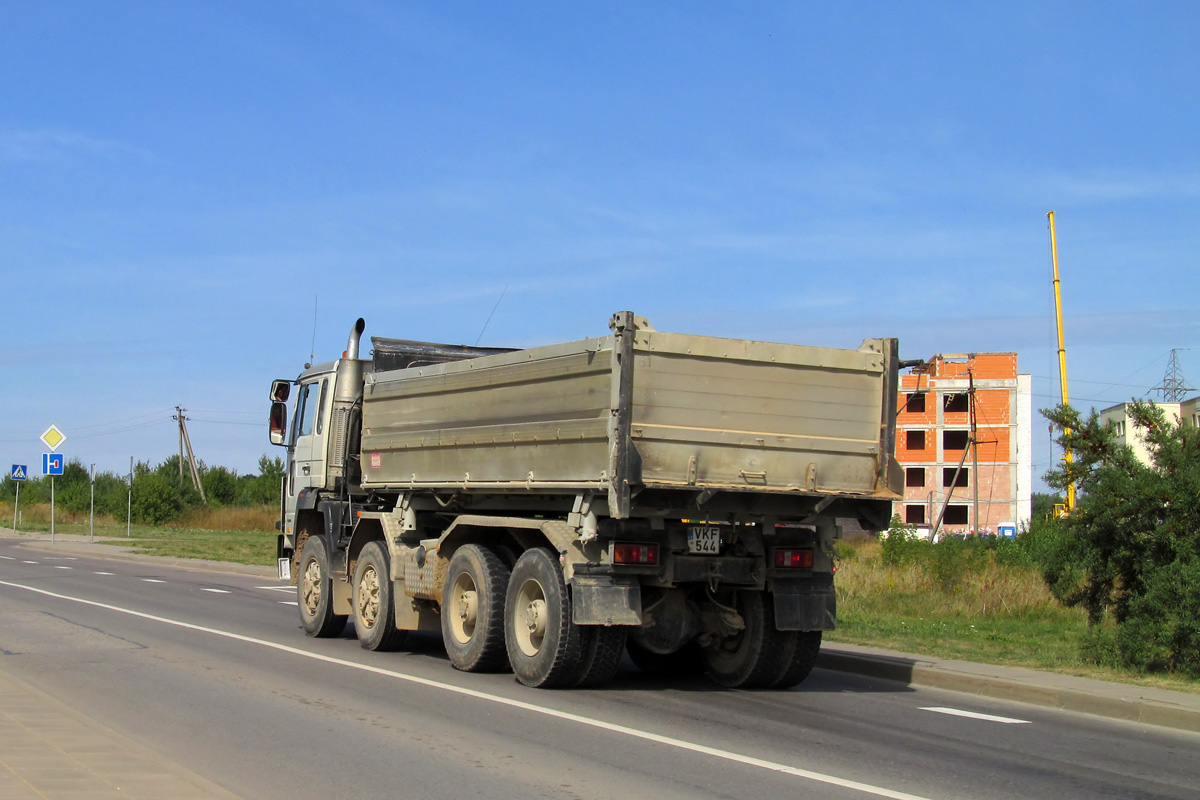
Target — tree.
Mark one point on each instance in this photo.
(1135, 535)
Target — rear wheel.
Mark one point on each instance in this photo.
(602, 649)
(802, 648)
(374, 613)
(314, 592)
(544, 646)
(753, 656)
(473, 610)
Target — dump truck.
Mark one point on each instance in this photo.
(675, 497)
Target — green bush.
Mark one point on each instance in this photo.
(1129, 553)
(155, 499)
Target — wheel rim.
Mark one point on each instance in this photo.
(464, 608)
(530, 618)
(368, 597)
(311, 594)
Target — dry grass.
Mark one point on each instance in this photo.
(995, 614)
(222, 518)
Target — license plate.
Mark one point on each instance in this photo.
(706, 540)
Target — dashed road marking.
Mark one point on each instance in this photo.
(29, 562)
(103, 573)
(288, 603)
(8, 558)
(152, 580)
(62, 566)
(277, 588)
(958, 712)
(214, 591)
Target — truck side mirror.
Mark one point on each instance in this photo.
(280, 390)
(278, 421)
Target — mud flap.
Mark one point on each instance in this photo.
(598, 601)
(805, 611)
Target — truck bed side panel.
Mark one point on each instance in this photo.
(525, 418)
(755, 415)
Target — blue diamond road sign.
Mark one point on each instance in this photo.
(20, 472)
(52, 463)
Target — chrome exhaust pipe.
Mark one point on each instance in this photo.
(355, 335)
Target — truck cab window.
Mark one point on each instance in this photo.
(321, 406)
(307, 410)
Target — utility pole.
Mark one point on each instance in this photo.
(974, 450)
(1068, 456)
(185, 441)
(1173, 387)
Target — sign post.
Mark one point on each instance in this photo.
(52, 464)
(129, 499)
(19, 474)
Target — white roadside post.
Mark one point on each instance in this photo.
(92, 506)
(129, 499)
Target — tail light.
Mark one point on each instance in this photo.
(793, 558)
(629, 553)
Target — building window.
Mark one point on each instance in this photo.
(915, 404)
(948, 477)
(956, 402)
(955, 515)
(915, 477)
(955, 440)
(914, 440)
(914, 515)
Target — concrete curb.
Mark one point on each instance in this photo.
(1129, 702)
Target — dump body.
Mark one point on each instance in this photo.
(704, 414)
(546, 508)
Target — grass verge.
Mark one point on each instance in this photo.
(988, 612)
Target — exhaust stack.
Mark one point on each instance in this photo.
(355, 335)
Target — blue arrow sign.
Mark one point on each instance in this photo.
(19, 472)
(52, 463)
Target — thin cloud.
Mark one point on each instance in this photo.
(49, 145)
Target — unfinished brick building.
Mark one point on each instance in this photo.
(964, 433)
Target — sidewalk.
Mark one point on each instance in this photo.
(1123, 701)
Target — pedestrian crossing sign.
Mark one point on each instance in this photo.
(19, 472)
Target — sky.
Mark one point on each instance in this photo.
(196, 196)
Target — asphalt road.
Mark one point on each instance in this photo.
(213, 671)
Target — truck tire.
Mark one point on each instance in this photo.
(802, 648)
(686, 661)
(374, 612)
(473, 610)
(602, 648)
(544, 645)
(314, 592)
(755, 655)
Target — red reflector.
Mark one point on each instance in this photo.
(793, 559)
(624, 553)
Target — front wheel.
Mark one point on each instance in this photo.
(314, 592)
(544, 645)
(374, 613)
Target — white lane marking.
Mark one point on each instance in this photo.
(214, 591)
(152, 580)
(9, 558)
(277, 588)
(288, 603)
(102, 573)
(958, 712)
(28, 562)
(566, 716)
(60, 566)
